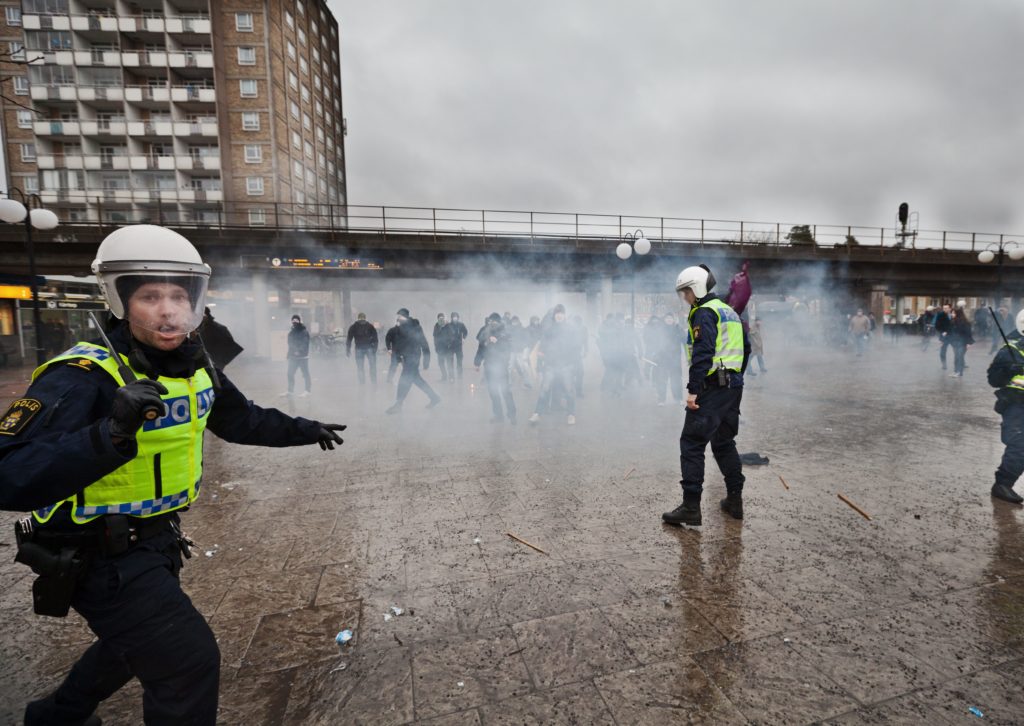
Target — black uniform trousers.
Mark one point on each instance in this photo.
(716, 422)
(1012, 435)
(147, 628)
(410, 377)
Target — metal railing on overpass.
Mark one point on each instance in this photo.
(496, 224)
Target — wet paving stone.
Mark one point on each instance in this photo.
(911, 617)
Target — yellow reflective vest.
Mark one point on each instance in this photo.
(165, 474)
(728, 344)
(1018, 380)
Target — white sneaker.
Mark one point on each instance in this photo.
(571, 420)
(286, 394)
(304, 394)
(534, 418)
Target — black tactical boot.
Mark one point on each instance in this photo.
(733, 504)
(686, 513)
(1001, 491)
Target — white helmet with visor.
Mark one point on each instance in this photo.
(159, 272)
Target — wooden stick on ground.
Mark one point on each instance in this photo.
(628, 473)
(523, 541)
(783, 482)
(855, 508)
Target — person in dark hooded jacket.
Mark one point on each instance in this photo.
(298, 354)
(494, 351)
(364, 335)
(410, 346)
(457, 333)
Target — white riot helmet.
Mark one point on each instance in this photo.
(698, 278)
(1020, 322)
(161, 259)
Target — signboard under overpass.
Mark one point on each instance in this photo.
(312, 263)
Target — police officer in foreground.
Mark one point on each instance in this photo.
(106, 451)
(1006, 372)
(718, 355)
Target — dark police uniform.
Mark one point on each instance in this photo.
(1006, 372)
(122, 560)
(714, 329)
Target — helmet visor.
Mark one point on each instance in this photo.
(166, 303)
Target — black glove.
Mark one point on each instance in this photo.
(327, 438)
(130, 406)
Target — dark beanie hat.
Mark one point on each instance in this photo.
(493, 318)
(404, 312)
(559, 308)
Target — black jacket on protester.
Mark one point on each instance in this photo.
(363, 334)
(493, 354)
(298, 341)
(410, 343)
(67, 445)
(457, 332)
(1007, 363)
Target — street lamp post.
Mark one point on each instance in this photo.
(633, 242)
(30, 211)
(998, 252)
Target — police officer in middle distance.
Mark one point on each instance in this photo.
(718, 357)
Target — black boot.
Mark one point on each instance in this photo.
(1001, 491)
(686, 513)
(733, 504)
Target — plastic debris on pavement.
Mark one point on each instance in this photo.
(339, 667)
(397, 610)
(476, 540)
(461, 684)
(343, 637)
(976, 711)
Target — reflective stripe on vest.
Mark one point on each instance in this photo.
(170, 450)
(1018, 380)
(729, 343)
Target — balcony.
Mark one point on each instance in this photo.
(131, 60)
(155, 58)
(210, 163)
(56, 128)
(104, 128)
(185, 128)
(100, 93)
(190, 59)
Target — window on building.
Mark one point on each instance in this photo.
(20, 86)
(322, 186)
(293, 108)
(13, 16)
(307, 122)
(293, 80)
(28, 152)
(314, 28)
(257, 217)
(319, 109)
(302, 36)
(289, 19)
(308, 148)
(297, 168)
(243, 22)
(316, 54)
(16, 50)
(296, 140)
(310, 177)
(25, 119)
(248, 88)
(246, 56)
(330, 144)
(291, 50)
(316, 82)
(301, 7)
(304, 66)
(305, 93)
(30, 185)
(300, 198)
(320, 134)
(250, 122)
(253, 153)
(254, 186)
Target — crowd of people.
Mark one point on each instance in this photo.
(547, 354)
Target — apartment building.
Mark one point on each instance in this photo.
(209, 111)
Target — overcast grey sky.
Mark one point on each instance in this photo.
(793, 111)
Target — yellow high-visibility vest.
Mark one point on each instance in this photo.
(729, 343)
(165, 475)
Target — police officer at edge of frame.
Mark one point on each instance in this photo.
(1006, 373)
(106, 465)
(718, 352)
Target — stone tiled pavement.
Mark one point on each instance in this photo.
(803, 613)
